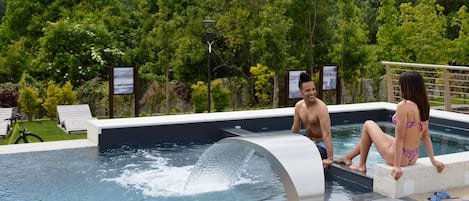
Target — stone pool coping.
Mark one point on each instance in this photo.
(45, 146)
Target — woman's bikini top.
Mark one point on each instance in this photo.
(412, 124)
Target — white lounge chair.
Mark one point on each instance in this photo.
(5, 125)
(73, 118)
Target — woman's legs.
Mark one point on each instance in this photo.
(371, 133)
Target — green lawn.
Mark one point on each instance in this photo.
(47, 129)
(454, 101)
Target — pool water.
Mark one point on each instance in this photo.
(159, 172)
(132, 173)
(345, 138)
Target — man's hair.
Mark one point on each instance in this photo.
(304, 77)
(413, 88)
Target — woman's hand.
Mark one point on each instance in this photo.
(396, 172)
(439, 165)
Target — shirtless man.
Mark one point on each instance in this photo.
(313, 114)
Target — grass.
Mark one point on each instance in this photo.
(46, 129)
(455, 100)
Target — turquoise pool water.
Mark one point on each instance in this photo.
(445, 141)
(134, 173)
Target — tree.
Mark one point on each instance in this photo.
(18, 22)
(310, 36)
(462, 42)
(3, 4)
(349, 50)
(16, 60)
(270, 42)
(76, 51)
(424, 28)
(388, 36)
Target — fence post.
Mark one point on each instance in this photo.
(389, 83)
(447, 90)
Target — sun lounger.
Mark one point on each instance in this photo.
(73, 118)
(5, 126)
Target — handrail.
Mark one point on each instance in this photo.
(451, 81)
(392, 63)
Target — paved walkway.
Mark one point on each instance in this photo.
(462, 193)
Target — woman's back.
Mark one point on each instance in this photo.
(414, 126)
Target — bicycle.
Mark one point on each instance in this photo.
(25, 137)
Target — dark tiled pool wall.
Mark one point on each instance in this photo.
(188, 132)
(353, 176)
(457, 127)
(340, 118)
(206, 131)
(211, 131)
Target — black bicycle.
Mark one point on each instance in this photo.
(25, 136)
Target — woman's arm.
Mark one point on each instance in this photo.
(427, 142)
(401, 113)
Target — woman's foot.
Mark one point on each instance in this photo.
(344, 160)
(358, 166)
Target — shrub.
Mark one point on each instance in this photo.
(263, 82)
(29, 101)
(9, 95)
(153, 97)
(220, 95)
(199, 97)
(91, 92)
(52, 99)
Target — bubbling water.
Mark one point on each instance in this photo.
(225, 170)
(218, 168)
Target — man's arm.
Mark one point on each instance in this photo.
(325, 123)
(296, 121)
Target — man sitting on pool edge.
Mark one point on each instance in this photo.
(314, 115)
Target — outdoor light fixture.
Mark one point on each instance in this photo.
(210, 32)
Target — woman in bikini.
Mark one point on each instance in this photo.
(411, 121)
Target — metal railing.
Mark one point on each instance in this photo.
(447, 86)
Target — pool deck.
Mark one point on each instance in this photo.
(45, 146)
(462, 193)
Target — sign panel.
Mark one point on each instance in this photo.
(329, 79)
(294, 78)
(123, 80)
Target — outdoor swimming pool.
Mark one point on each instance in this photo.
(149, 158)
(159, 172)
(131, 173)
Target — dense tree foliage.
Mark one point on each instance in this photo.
(351, 38)
(78, 40)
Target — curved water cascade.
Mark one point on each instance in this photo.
(293, 157)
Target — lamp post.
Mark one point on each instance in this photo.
(210, 33)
